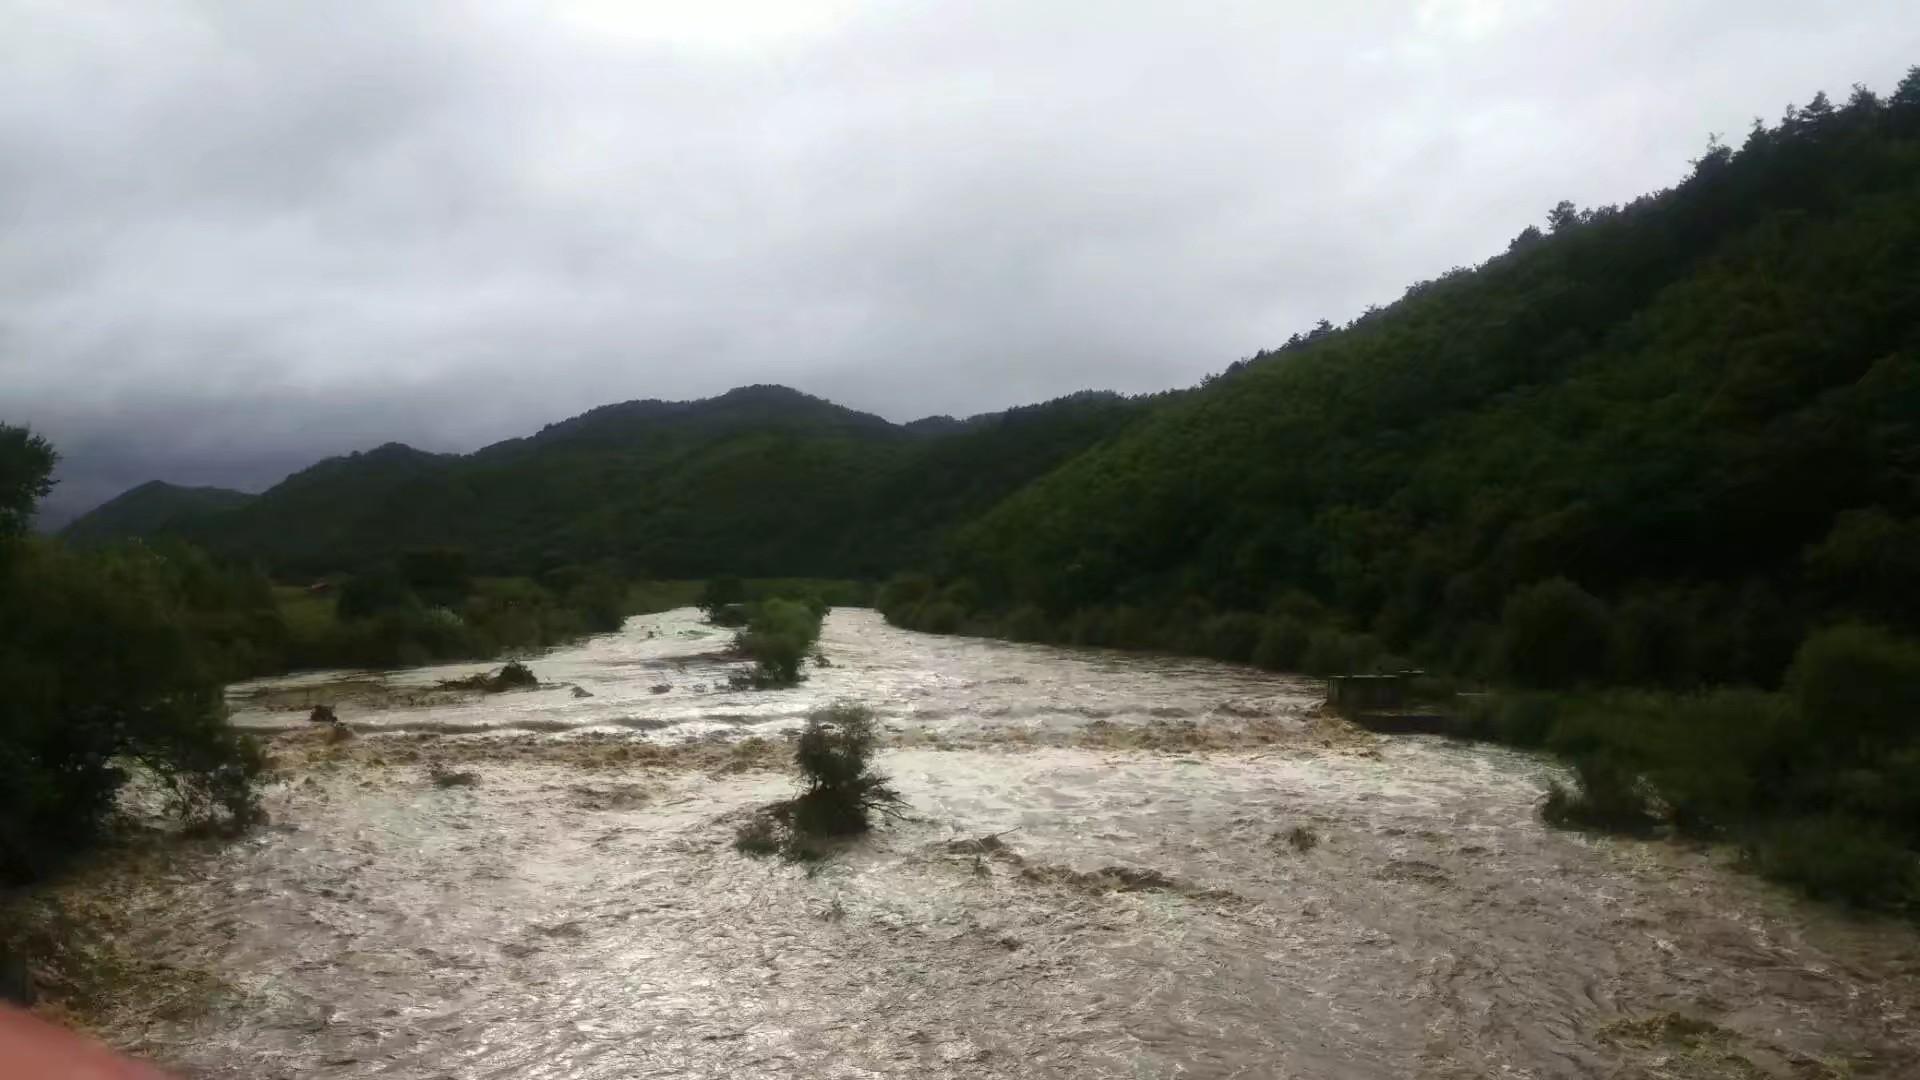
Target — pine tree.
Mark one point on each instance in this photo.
(1907, 94)
(1863, 101)
(1819, 110)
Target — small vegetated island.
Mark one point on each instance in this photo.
(833, 754)
(1648, 480)
(778, 633)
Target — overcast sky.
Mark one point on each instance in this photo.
(236, 237)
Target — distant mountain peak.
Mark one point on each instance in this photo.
(759, 404)
(150, 508)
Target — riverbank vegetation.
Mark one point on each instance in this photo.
(114, 658)
(425, 610)
(1655, 467)
(112, 665)
(778, 630)
(1818, 782)
(426, 607)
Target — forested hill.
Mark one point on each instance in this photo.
(1695, 416)
(151, 508)
(1701, 408)
(760, 480)
(1650, 476)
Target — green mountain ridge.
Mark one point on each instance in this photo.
(152, 508)
(759, 480)
(1700, 408)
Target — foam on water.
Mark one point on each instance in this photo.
(1136, 914)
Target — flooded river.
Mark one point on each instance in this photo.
(1114, 866)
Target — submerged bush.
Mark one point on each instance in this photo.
(443, 777)
(759, 836)
(835, 757)
(515, 676)
(841, 794)
(1609, 794)
(779, 636)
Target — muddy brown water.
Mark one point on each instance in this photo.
(1134, 913)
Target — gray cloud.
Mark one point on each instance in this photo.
(235, 237)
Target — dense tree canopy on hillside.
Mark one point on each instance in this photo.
(1700, 407)
(762, 481)
(151, 509)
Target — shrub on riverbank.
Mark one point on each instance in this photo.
(111, 664)
(1864, 685)
(1609, 795)
(1840, 857)
(1296, 636)
(1819, 783)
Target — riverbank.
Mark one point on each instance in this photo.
(1814, 777)
(307, 628)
